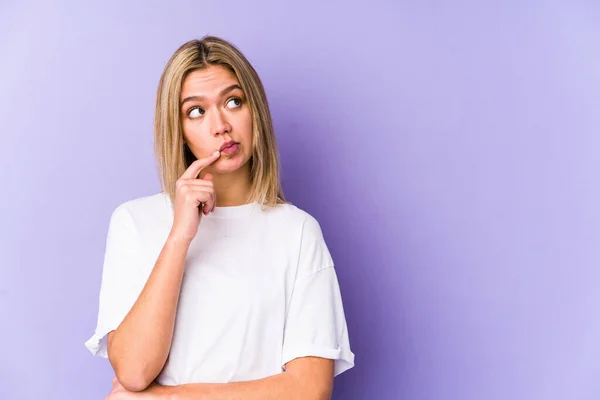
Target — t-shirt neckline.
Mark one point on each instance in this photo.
(234, 211)
(227, 211)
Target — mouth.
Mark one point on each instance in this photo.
(230, 148)
(227, 145)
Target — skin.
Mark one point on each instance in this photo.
(306, 378)
(218, 113)
(213, 111)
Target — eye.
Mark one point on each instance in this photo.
(234, 102)
(195, 112)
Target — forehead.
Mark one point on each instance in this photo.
(207, 81)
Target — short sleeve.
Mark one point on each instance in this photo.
(121, 279)
(315, 321)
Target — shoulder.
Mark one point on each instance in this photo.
(154, 202)
(298, 222)
(155, 206)
(312, 251)
(295, 215)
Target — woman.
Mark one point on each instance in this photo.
(216, 287)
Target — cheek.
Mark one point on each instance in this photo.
(247, 130)
(195, 140)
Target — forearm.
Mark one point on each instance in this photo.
(139, 347)
(282, 386)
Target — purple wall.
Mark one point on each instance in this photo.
(451, 154)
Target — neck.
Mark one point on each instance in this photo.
(232, 188)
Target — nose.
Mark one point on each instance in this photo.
(219, 124)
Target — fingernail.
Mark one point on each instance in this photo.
(216, 152)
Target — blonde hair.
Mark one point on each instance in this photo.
(173, 156)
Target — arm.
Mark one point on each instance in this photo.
(307, 378)
(139, 347)
(137, 353)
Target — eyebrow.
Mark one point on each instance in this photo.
(223, 93)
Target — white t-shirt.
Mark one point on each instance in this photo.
(259, 289)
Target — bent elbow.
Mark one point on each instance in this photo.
(134, 382)
(134, 376)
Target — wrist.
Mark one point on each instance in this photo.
(196, 391)
(177, 240)
(164, 392)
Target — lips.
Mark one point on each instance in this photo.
(227, 144)
(231, 150)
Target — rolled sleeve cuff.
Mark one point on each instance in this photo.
(343, 357)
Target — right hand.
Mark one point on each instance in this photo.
(190, 193)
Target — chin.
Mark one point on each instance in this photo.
(225, 166)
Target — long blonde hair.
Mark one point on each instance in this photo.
(172, 154)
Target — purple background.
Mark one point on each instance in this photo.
(450, 152)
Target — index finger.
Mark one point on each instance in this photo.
(194, 169)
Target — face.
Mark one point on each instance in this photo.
(214, 114)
